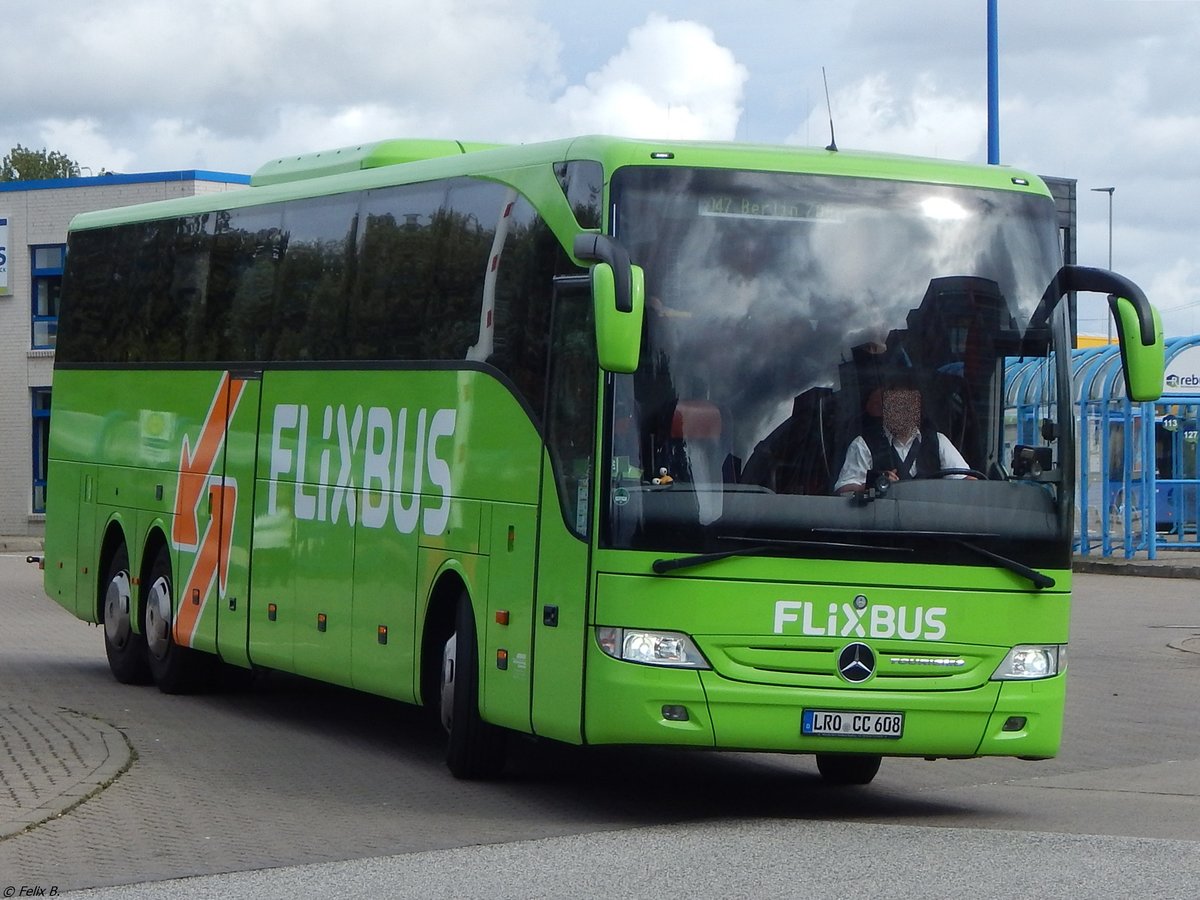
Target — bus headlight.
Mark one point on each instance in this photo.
(1030, 661)
(653, 648)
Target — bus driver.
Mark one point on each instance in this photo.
(898, 445)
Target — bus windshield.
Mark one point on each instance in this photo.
(823, 366)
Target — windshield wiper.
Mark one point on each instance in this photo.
(662, 566)
(754, 547)
(1040, 579)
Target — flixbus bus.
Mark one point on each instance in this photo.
(549, 438)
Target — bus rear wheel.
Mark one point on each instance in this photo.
(848, 768)
(124, 647)
(474, 748)
(176, 669)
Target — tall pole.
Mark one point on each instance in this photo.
(1109, 191)
(993, 84)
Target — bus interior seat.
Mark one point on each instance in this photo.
(794, 458)
(696, 429)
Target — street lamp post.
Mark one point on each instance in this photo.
(993, 84)
(1109, 191)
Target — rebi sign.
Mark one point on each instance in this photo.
(1182, 375)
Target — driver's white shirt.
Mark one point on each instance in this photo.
(859, 460)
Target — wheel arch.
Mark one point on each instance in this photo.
(439, 623)
(156, 540)
(114, 540)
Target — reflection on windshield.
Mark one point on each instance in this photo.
(825, 353)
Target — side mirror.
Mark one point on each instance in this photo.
(1139, 327)
(618, 294)
(1142, 363)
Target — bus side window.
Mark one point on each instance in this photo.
(571, 402)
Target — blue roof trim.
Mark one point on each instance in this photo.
(49, 184)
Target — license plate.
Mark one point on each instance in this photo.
(851, 723)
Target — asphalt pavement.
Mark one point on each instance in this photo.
(739, 859)
(54, 759)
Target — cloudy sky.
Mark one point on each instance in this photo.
(1104, 91)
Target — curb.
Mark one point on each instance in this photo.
(1140, 568)
(21, 545)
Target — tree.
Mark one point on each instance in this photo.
(23, 164)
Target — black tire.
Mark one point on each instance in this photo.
(176, 669)
(474, 748)
(848, 768)
(124, 647)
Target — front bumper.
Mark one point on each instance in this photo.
(625, 702)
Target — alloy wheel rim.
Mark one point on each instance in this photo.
(158, 618)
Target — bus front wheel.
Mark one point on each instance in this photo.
(848, 768)
(474, 749)
(124, 647)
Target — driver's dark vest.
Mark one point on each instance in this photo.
(884, 455)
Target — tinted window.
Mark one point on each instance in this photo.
(397, 262)
(457, 270)
(582, 181)
(116, 286)
(532, 256)
(571, 402)
(87, 291)
(315, 278)
(177, 317)
(248, 249)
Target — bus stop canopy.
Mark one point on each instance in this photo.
(1138, 485)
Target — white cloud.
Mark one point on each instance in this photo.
(671, 80)
(1175, 290)
(1100, 92)
(241, 73)
(151, 85)
(873, 114)
(83, 141)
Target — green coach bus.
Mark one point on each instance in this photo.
(590, 440)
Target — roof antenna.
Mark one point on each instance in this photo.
(832, 140)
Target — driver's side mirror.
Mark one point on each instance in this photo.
(1143, 363)
(619, 296)
(1139, 327)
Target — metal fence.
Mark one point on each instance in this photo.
(1137, 464)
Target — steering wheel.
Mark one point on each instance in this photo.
(942, 473)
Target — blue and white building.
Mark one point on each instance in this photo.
(34, 216)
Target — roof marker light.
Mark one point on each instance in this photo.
(1024, 182)
(662, 154)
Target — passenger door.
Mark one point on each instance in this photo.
(561, 613)
(237, 518)
(211, 528)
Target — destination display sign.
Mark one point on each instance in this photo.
(749, 206)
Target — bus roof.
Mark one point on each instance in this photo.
(407, 161)
(361, 156)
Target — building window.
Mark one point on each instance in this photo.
(41, 444)
(47, 290)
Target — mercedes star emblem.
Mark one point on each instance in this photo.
(856, 662)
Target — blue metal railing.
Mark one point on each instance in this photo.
(1138, 464)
